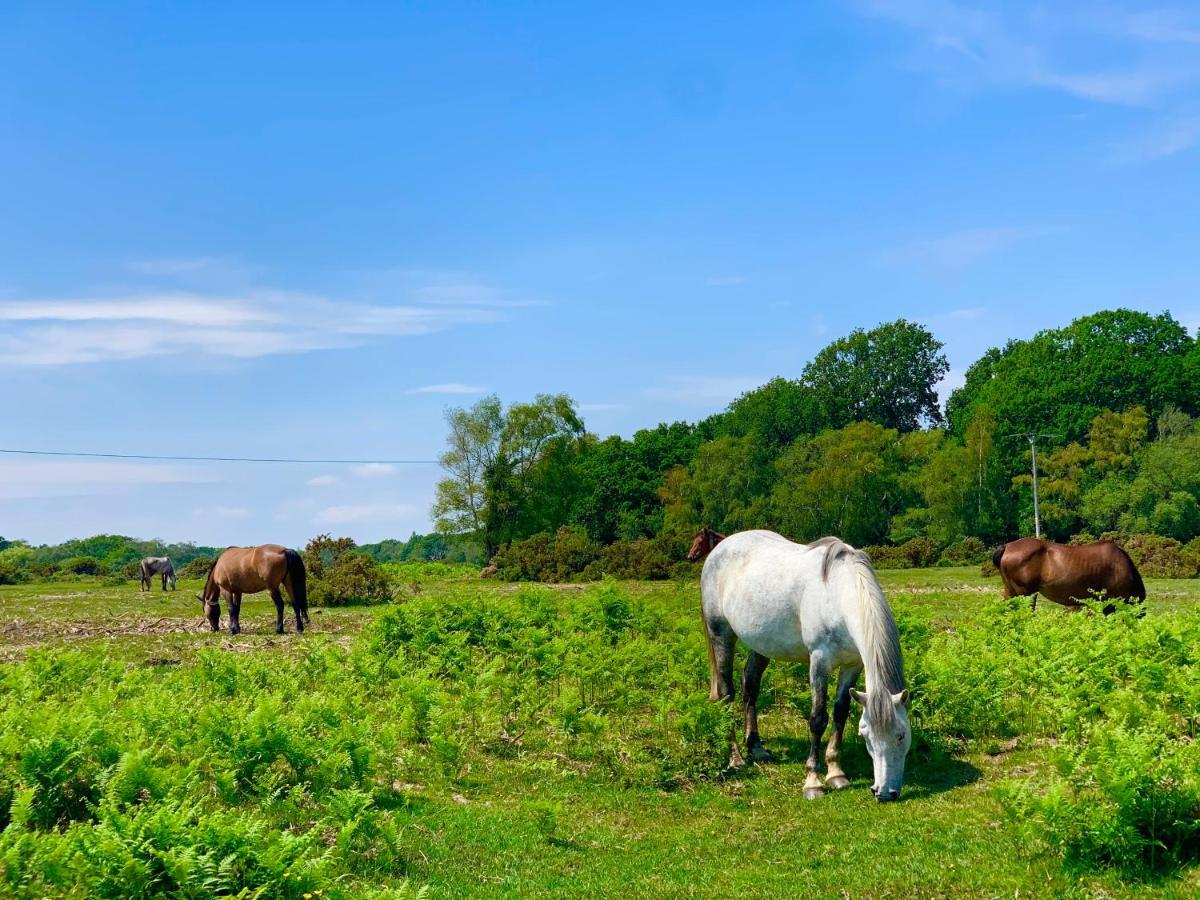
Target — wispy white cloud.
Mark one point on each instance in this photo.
(961, 249)
(323, 481)
(372, 470)
(704, 389)
(50, 331)
(1165, 138)
(1038, 46)
(366, 512)
(452, 387)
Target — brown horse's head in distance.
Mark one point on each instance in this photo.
(705, 540)
(1069, 574)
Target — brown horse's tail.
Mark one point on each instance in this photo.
(299, 579)
(998, 555)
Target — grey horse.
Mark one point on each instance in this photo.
(157, 565)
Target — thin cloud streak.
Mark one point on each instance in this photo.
(373, 470)
(1166, 138)
(67, 331)
(959, 250)
(1016, 46)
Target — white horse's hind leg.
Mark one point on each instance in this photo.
(818, 678)
(835, 777)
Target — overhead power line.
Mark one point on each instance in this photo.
(244, 459)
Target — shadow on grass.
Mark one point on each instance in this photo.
(926, 775)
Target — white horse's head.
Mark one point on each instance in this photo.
(885, 730)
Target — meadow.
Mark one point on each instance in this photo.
(482, 738)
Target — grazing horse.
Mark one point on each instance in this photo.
(818, 602)
(248, 570)
(1068, 574)
(157, 565)
(703, 545)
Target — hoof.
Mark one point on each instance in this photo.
(760, 754)
(837, 782)
(279, 630)
(814, 793)
(235, 630)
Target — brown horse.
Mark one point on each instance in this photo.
(248, 570)
(1068, 574)
(703, 545)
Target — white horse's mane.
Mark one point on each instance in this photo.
(881, 655)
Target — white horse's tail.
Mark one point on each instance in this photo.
(881, 638)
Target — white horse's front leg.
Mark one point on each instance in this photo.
(818, 679)
(835, 777)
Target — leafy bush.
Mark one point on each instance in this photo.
(81, 565)
(352, 579)
(197, 568)
(14, 564)
(323, 552)
(1120, 694)
(915, 553)
(1159, 557)
(1129, 799)
(558, 557)
(648, 560)
(969, 551)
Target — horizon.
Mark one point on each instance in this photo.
(242, 235)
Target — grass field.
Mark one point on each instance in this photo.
(484, 738)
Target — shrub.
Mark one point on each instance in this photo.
(557, 557)
(970, 551)
(1126, 799)
(14, 565)
(1157, 556)
(323, 552)
(353, 579)
(81, 565)
(197, 568)
(642, 559)
(915, 553)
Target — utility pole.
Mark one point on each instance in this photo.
(1032, 438)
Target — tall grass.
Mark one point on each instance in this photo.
(283, 775)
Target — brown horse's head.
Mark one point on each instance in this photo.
(705, 540)
(210, 599)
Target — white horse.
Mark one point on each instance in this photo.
(818, 602)
(156, 565)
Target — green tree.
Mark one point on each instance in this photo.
(722, 489)
(887, 375)
(1059, 380)
(496, 459)
(473, 445)
(775, 414)
(845, 482)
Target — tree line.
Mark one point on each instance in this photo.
(858, 445)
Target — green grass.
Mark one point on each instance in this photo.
(415, 743)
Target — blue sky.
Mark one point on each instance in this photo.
(306, 229)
